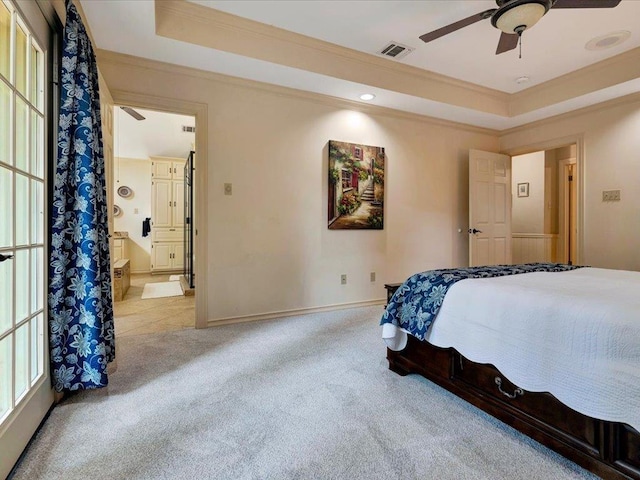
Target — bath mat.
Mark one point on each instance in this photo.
(161, 289)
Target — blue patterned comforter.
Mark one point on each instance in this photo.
(417, 301)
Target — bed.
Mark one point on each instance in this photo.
(552, 350)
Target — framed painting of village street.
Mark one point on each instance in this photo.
(356, 186)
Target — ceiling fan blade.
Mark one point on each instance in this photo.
(586, 3)
(508, 41)
(441, 32)
(133, 113)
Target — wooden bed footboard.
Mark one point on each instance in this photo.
(608, 449)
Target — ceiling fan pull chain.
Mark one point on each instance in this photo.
(520, 43)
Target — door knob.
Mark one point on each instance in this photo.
(5, 257)
(474, 230)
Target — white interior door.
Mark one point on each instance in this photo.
(25, 387)
(489, 208)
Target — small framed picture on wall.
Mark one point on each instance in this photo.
(523, 189)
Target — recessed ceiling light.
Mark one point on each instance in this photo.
(367, 96)
(522, 79)
(607, 41)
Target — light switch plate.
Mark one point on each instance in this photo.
(611, 195)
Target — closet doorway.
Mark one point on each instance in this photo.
(152, 260)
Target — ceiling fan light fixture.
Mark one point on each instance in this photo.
(519, 15)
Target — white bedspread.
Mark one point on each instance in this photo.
(574, 334)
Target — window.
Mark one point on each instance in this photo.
(346, 179)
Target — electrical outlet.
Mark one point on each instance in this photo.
(136, 211)
(228, 189)
(343, 279)
(373, 277)
(611, 195)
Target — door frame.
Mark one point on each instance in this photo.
(31, 411)
(578, 140)
(200, 112)
(565, 202)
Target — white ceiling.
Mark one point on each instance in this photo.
(159, 134)
(552, 48)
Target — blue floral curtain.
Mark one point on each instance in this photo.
(80, 300)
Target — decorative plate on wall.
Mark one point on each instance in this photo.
(117, 211)
(125, 192)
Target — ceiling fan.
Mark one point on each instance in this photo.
(133, 113)
(514, 17)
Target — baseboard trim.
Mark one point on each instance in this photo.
(291, 313)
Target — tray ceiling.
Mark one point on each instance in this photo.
(330, 47)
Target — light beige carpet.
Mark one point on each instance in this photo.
(304, 397)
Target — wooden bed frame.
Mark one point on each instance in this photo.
(608, 449)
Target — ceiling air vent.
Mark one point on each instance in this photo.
(395, 50)
(188, 129)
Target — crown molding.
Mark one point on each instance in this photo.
(615, 102)
(606, 73)
(120, 59)
(232, 22)
(199, 25)
(203, 26)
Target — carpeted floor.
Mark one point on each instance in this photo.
(307, 397)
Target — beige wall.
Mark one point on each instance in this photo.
(135, 174)
(269, 247)
(527, 213)
(611, 142)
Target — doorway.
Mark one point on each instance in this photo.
(151, 150)
(545, 204)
